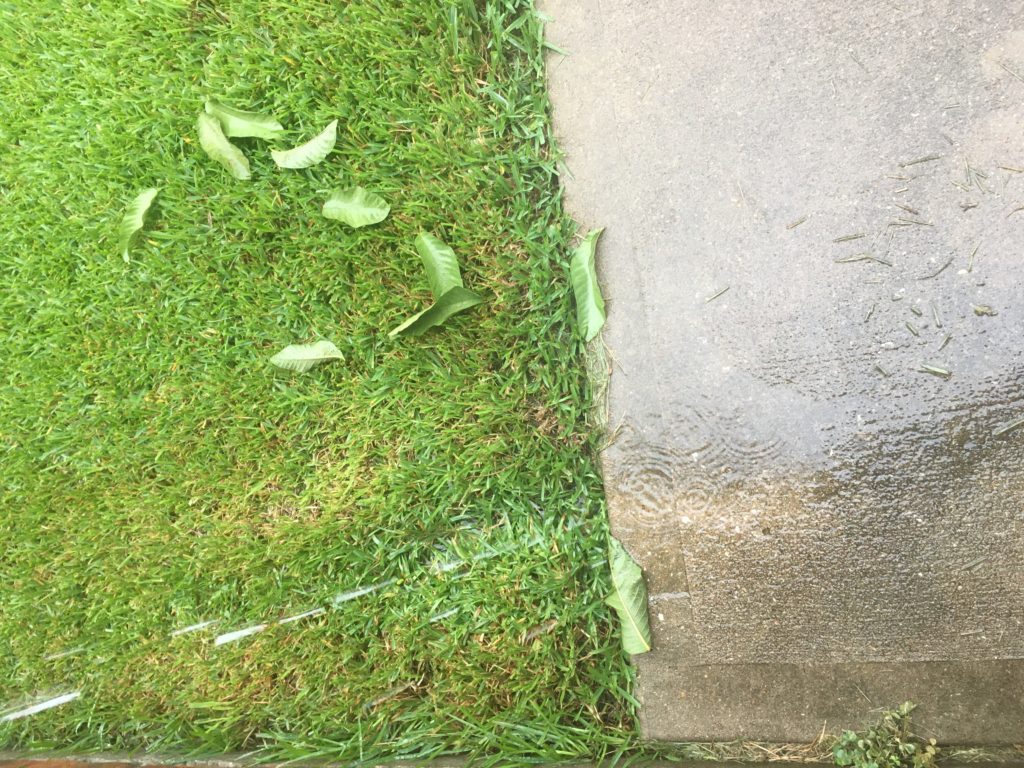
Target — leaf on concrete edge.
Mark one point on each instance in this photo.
(629, 599)
(590, 314)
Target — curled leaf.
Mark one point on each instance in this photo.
(310, 153)
(240, 124)
(134, 219)
(583, 276)
(356, 207)
(440, 262)
(302, 357)
(451, 303)
(216, 145)
(629, 599)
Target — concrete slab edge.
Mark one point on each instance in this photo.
(33, 760)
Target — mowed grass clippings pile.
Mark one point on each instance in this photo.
(158, 472)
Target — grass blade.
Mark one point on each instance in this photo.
(135, 219)
(590, 315)
(356, 207)
(935, 370)
(1008, 427)
(311, 153)
(216, 145)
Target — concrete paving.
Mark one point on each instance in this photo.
(814, 267)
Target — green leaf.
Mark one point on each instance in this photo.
(356, 207)
(442, 267)
(216, 145)
(451, 303)
(302, 357)
(134, 219)
(310, 153)
(239, 123)
(583, 275)
(629, 599)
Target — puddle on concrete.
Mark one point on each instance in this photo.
(790, 469)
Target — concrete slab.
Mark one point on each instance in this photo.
(812, 467)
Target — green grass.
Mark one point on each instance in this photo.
(158, 472)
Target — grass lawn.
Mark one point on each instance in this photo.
(157, 472)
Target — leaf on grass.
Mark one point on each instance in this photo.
(629, 599)
(451, 303)
(241, 124)
(310, 153)
(134, 219)
(302, 357)
(216, 145)
(439, 260)
(583, 276)
(356, 207)
(445, 278)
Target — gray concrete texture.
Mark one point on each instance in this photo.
(828, 522)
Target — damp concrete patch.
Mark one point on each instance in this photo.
(815, 283)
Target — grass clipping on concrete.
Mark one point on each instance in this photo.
(399, 554)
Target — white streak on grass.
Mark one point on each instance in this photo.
(41, 706)
(305, 615)
(238, 634)
(389, 694)
(194, 627)
(445, 615)
(64, 654)
(344, 597)
(451, 565)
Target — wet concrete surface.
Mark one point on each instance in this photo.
(817, 466)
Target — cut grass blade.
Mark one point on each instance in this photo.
(1009, 427)
(237, 123)
(356, 207)
(134, 220)
(311, 153)
(303, 357)
(590, 315)
(216, 145)
(935, 370)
